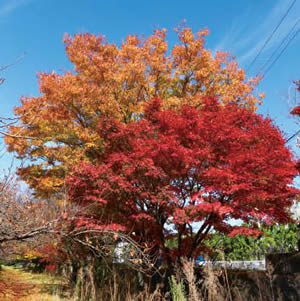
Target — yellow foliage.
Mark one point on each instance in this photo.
(32, 254)
(116, 81)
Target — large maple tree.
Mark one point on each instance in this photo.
(182, 173)
(58, 128)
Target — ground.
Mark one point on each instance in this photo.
(15, 284)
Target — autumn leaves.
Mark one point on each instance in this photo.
(155, 139)
(117, 82)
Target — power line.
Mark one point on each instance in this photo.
(270, 37)
(278, 47)
(282, 51)
(290, 138)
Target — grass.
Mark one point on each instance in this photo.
(208, 284)
(15, 284)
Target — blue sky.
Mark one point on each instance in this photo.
(36, 27)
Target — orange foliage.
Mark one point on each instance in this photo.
(116, 81)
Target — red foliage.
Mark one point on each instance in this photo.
(53, 256)
(298, 85)
(296, 111)
(181, 174)
(298, 165)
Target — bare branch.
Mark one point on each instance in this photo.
(13, 63)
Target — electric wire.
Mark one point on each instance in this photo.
(270, 37)
(282, 51)
(291, 137)
(278, 47)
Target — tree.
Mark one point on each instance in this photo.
(42, 231)
(60, 126)
(21, 217)
(275, 239)
(162, 175)
(6, 122)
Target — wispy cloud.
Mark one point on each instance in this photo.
(9, 6)
(245, 43)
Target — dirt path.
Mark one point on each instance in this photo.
(16, 284)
